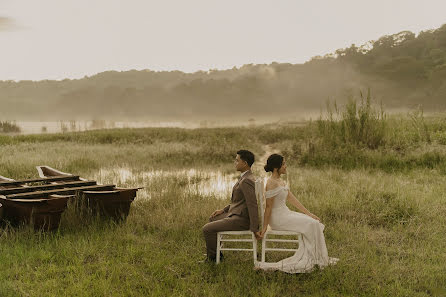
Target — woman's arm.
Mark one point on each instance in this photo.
(270, 185)
(293, 200)
(267, 215)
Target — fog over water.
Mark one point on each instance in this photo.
(38, 127)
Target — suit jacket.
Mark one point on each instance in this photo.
(244, 201)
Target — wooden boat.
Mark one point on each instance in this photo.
(4, 179)
(42, 213)
(109, 202)
(41, 201)
(47, 172)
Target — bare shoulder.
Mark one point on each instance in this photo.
(271, 184)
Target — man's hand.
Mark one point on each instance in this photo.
(216, 213)
(262, 233)
(258, 235)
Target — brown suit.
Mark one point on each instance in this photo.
(241, 214)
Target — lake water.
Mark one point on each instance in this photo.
(28, 127)
(76, 126)
(202, 182)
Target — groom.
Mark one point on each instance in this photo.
(242, 213)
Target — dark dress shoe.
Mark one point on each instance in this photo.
(211, 259)
(207, 260)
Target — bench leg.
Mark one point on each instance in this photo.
(254, 247)
(218, 248)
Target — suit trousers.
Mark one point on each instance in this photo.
(222, 222)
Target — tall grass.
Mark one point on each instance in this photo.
(385, 228)
(384, 217)
(357, 124)
(361, 135)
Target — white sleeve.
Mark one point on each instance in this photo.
(273, 192)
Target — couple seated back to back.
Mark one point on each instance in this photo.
(242, 214)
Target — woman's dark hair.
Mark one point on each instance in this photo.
(246, 156)
(274, 161)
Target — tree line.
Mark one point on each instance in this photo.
(402, 70)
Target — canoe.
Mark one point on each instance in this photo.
(5, 179)
(45, 187)
(43, 213)
(47, 171)
(24, 182)
(113, 203)
(41, 201)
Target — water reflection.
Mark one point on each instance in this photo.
(201, 182)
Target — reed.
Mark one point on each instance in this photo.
(356, 124)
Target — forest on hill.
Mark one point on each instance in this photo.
(403, 70)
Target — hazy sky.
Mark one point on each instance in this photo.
(56, 39)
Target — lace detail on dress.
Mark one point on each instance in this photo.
(275, 191)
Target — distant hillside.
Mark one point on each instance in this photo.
(414, 66)
(403, 70)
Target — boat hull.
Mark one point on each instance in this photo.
(43, 214)
(6, 179)
(113, 204)
(46, 171)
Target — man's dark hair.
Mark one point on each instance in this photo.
(246, 156)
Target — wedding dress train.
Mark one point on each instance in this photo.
(312, 250)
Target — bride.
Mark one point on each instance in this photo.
(312, 249)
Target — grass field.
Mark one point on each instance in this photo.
(383, 209)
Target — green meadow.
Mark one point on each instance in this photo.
(376, 181)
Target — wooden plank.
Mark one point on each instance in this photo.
(45, 187)
(42, 194)
(49, 179)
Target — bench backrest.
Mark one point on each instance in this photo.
(260, 195)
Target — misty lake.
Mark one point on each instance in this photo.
(76, 126)
(38, 127)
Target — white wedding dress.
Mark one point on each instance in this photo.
(312, 249)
